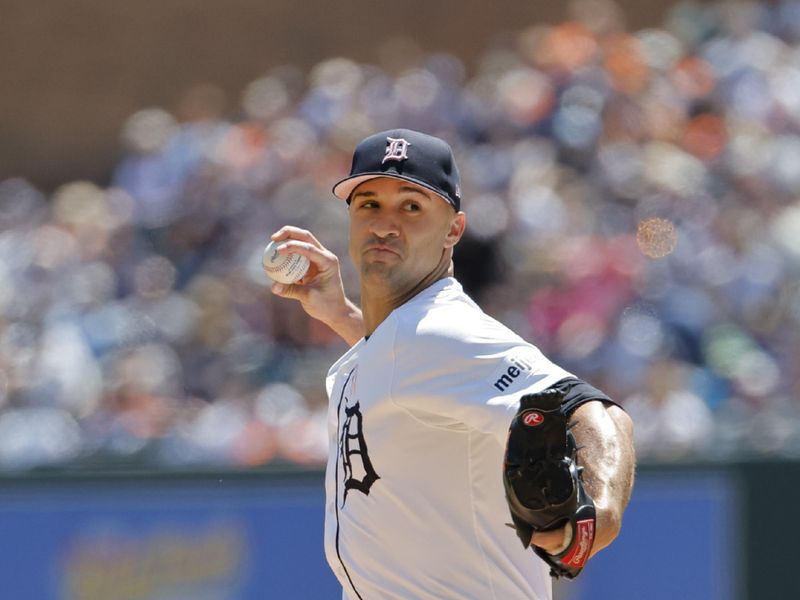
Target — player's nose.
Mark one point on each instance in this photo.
(384, 225)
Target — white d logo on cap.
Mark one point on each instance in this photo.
(396, 150)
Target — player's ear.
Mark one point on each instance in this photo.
(457, 225)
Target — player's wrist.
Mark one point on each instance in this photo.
(348, 322)
(565, 542)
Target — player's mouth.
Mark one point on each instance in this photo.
(381, 249)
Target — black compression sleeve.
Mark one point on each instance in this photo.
(577, 392)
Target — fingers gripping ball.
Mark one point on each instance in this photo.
(283, 268)
(543, 482)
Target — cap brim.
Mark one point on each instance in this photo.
(345, 187)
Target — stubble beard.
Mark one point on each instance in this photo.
(383, 279)
(377, 273)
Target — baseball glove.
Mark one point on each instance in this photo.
(543, 482)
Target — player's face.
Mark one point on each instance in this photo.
(401, 234)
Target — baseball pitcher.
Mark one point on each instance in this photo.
(463, 463)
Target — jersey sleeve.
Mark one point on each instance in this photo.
(467, 374)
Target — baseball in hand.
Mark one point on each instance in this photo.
(283, 268)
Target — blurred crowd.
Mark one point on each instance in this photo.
(633, 208)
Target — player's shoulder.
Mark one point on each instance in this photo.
(350, 355)
(445, 315)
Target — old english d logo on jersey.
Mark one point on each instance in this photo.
(396, 149)
(359, 473)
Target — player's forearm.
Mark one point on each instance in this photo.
(347, 323)
(604, 435)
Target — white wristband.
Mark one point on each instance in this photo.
(565, 544)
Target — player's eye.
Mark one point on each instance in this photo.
(412, 206)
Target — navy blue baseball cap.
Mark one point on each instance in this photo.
(404, 154)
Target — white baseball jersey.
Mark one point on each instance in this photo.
(418, 420)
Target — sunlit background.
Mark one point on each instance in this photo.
(633, 206)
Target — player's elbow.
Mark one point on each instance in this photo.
(623, 423)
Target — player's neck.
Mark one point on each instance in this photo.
(378, 301)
